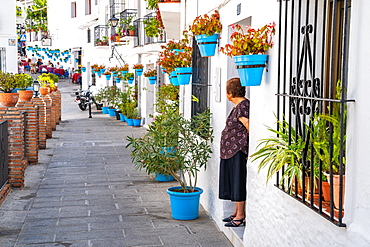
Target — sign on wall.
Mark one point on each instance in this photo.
(11, 42)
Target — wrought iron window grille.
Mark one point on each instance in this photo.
(101, 35)
(312, 70)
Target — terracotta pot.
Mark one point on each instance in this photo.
(336, 189)
(326, 191)
(25, 95)
(8, 99)
(44, 91)
(131, 32)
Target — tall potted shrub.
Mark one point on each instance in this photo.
(248, 47)
(179, 147)
(206, 30)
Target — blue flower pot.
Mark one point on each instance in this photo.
(163, 178)
(130, 80)
(124, 72)
(102, 71)
(130, 122)
(250, 68)
(207, 44)
(105, 109)
(108, 77)
(122, 117)
(136, 122)
(112, 112)
(139, 72)
(163, 70)
(118, 80)
(152, 80)
(98, 73)
(173, 78)
(183, 75)
(114, 74)
(184, 206)
(83, 69)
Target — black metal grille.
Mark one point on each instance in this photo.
(88, 35)
(3, 153)
(101, 35)
(199, 81)
(312, 81)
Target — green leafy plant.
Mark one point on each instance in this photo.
(153, 27)
(206, 24)
(128, 76)
(284, 149)
(172, 146)
(23, 81)
(167, 98)
(249, 41)
(7, 82)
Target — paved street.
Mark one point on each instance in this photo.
(85, 192)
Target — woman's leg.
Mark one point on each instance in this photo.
(239, 210)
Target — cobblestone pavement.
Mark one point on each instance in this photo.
(85, 192)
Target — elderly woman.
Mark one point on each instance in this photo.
(234, 152)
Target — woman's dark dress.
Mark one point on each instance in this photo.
(233, 154)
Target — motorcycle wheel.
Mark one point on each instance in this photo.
(82, 106)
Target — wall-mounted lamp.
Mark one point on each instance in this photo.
(36, 88)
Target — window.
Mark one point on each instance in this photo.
(87, 7)
(312, 78)
(199, 81)
(73, 10)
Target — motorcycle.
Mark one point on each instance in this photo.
(83, 98)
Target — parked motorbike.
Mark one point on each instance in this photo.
(83, 98)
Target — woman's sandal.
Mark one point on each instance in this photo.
(236, 223)
(228, 219)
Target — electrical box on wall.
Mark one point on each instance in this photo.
(217, 84)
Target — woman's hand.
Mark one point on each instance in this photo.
(245, 122)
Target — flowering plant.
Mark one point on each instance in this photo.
(206, 24)
(138, 66)
(249, 41)
(175, 55)
(150, 73)
(124, 67)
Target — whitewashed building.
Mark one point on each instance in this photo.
(317, 43)
(8, 37)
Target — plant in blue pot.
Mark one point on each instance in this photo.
(190, 141)
(248, 48)
(129, 77)
(151, 74)
(206, 30)
(183, 67)
(108, 75)
(139, 68)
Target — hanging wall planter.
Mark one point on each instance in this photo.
(184, 206)
(173, 78)
(130, 80)
(83, 69)
(108, 77)
(183, 75)
(139, 72)
(152, 80)
(207, 44)
(118, 80)
(250, 68)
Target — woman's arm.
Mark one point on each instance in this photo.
(245, 122)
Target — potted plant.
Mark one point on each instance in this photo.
(206, 30)
(46, 83)
(138, 69)
(179, 147)
(248, 48)
(100, 97)
(129, 77)
(108, 75)
(128, 25)
(124, 69)
(7, 84)
(151, 74)
(153, 27)
(104, 41)
(24, 81)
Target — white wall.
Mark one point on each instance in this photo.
(8, 31)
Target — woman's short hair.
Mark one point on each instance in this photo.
(234, 88)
